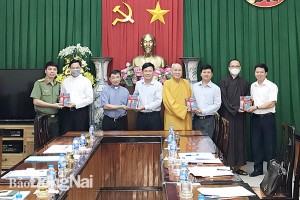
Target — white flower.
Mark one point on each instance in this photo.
(128, 64)
(84, 64)
(73, 51)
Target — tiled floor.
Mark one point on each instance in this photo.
(253, 181)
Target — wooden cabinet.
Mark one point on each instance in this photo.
(20, 137)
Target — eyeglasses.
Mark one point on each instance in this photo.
(235, 66)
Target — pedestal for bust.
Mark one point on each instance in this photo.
(190, 66)
(96, 112)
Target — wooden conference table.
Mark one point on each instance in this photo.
(128, 165)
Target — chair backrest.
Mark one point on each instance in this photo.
(296, 167)
(41, 132)
(216, 128)
(287, 157)
(225, 136)
(221, 137)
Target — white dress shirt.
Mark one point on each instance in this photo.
(80, 89)
(208, 97)
(266, 92)
(150, 95)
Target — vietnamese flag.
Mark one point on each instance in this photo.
(122, 40)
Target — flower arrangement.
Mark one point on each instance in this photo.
(131, 74)
(79, 53)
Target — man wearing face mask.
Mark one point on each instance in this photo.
(75, 116)
(232, 87)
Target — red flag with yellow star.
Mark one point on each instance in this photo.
(125, 22)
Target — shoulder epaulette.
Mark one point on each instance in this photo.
(41, 80)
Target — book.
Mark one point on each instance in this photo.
(245, 102)
(133, 101)
(191, 104)
(64, 99)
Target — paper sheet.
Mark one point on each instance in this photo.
(26, 174)
(24, 195)
(225, 192)
(210, 171)
(42, 159)
(54, 149)
(197, 156)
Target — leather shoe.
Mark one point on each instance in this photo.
(256, 173)
(241, 172)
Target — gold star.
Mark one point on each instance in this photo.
(158, 13)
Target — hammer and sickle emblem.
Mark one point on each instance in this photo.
(127, 17)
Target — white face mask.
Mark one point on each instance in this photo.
(234, 71)
(75, 72)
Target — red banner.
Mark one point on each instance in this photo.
(122, 40)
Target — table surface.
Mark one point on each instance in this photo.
(190, 141)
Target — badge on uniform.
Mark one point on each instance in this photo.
(64, 99)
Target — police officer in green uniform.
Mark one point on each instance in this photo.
(45, 94)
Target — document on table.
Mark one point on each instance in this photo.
(58, 149)
(199, 157)
(26, 174)
(210, 171)
(24, 195)
(42, 159)
(225, 192)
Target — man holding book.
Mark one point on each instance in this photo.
(149, 91)
(208, 98)
(114, 102)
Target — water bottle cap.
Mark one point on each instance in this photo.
(19, 195)
(50, 166)
(201, 197)
(82, 134)
(61, 154)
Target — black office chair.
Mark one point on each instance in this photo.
(287, 158)
(41, 135)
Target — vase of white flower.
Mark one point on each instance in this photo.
(96, 112)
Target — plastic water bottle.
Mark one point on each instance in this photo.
(75, 146)
(170, 136)
(172, 151)
(92, 132)
(184, 174)
(82, 142)
(19, 196)
(51, 176)
(169, 140)
(62, 163)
